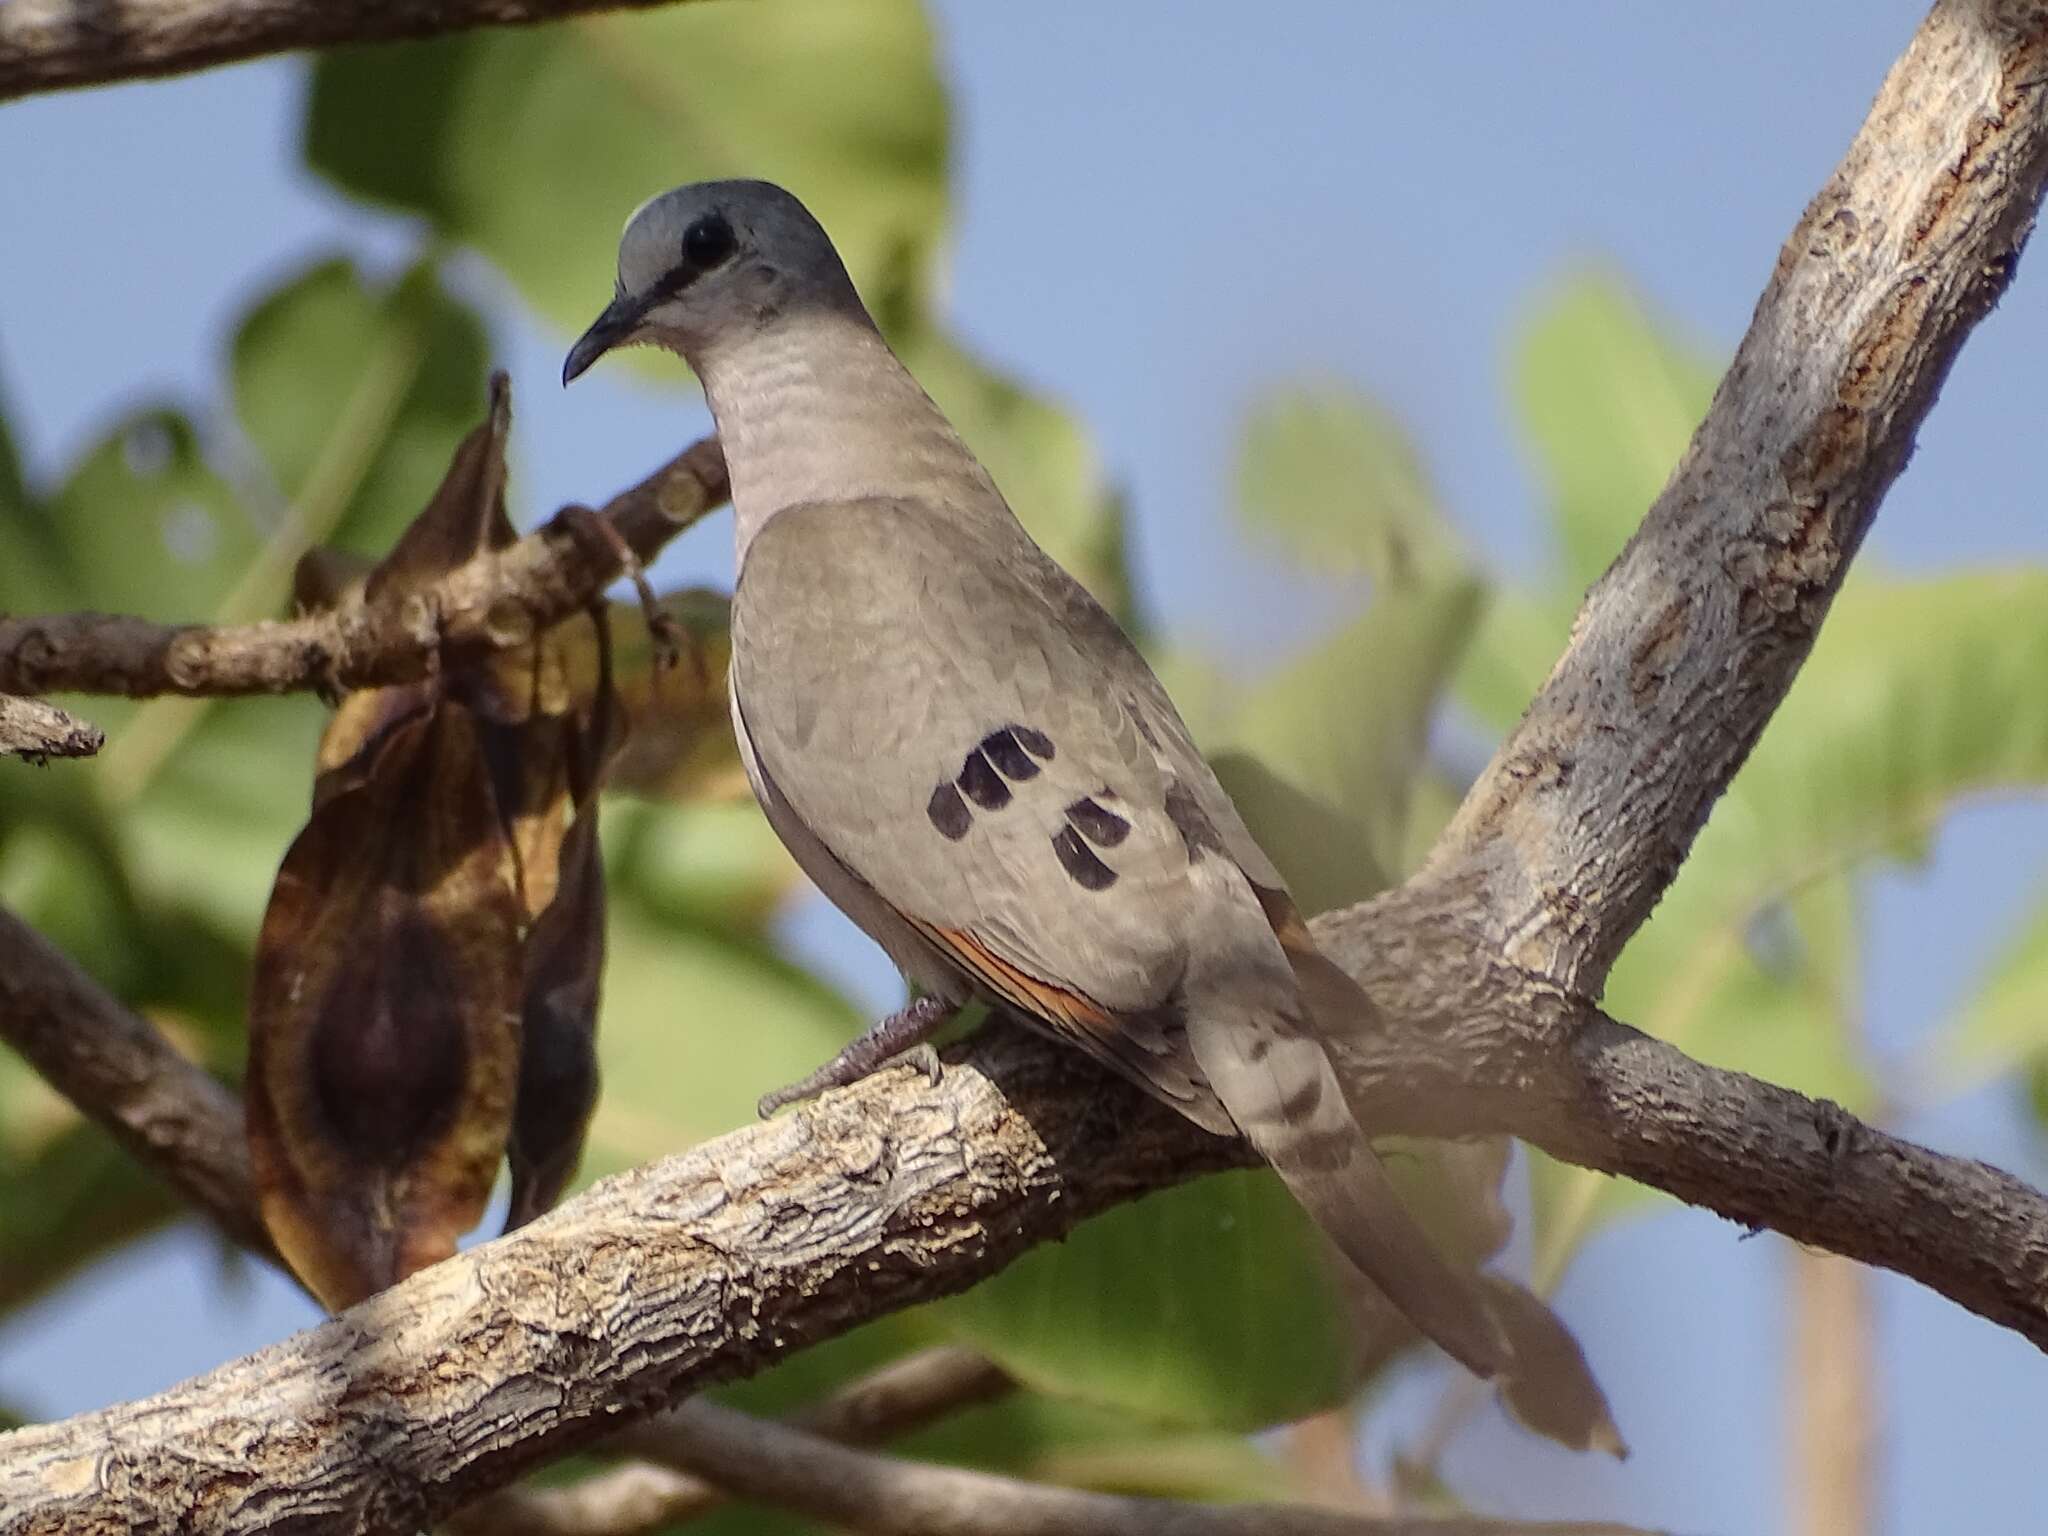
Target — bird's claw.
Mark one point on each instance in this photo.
(897, 1040)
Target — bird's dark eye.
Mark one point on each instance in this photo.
(707, 242)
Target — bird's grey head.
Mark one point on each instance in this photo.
(710, 263)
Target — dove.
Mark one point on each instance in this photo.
(969, 757)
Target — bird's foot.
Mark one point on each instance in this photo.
(899, 1039)
(668, 637)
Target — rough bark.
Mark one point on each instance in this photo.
(499, 599)
(1689, 642)
(715, 1263)
(697, 1269)
(46, 45)
(31, 729)
(710, 1265)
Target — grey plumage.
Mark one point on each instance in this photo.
(967, 754)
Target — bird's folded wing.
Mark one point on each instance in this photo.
(947, 734)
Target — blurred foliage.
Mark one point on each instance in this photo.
(509, 139)
(342, 402)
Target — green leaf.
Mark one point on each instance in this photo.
(1208, 1305)
(32, 578)
(1052, 1439)
(1919, 695)
(1609, 401)
(716, 866)
(2004, 1025)
(206, 834)
(355, 397)
(533, 143)
(1320, 756)
(65, 884)
(145, 526)
(13, 489)
(1327, 474)
(1514, 644)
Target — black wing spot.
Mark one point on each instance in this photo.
(1096, 822)
(1006, 751)
(1079, 861)
(1036, 742)
(1197, 832)
(949, 812)
(982, 784)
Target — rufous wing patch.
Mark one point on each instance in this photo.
(1059, 1006)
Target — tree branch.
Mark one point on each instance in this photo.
(715, 1263)
(883, 1496)
(499, 599)
(1690, 641)
(172, 1116)
(46, 45)
(709, 1265)
(34, 730)
(896, 1399)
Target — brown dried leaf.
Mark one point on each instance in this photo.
(466, 516)
(324, 579)
(529, 773)
(1552, 1390)
(384, 1014)
(361, 725)
(564, 965)
(558, 1073)
(1454, 1189)
(682, 745)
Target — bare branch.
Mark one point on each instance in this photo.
(172, 1115)
(1691, 639)
(897, 1399)
(496, 600)
(700, 1268)
(882, 1496)
(715, 1263)
(34, 730)
(46, 45)
(630, 1500)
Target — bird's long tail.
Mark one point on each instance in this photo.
(1254, 1031)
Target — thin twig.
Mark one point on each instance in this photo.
(897, 1399)
(499, 599)
(173, 1116)
(32, 729)
(884, 1496)
(50, 44)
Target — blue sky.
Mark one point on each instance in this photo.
(1162, 212)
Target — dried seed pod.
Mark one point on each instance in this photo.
(384, 1016)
